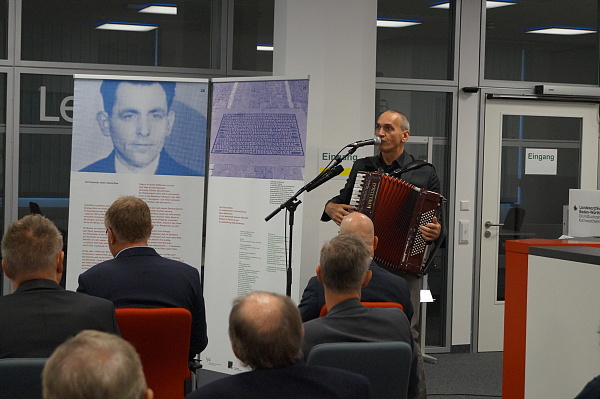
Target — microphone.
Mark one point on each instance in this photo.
(362, 143)
(328, 175)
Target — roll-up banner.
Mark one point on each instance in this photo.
(257, 158)
(140, 136)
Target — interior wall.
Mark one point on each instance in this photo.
(467, 141)
(337, 50)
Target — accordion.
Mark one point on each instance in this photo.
(397, 209)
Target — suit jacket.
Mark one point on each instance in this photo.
(166, 166)
(40, 315)
(424, 177)
(383, 287)
(138, 277)
(297, 381)
(349, 321)
(591, 390)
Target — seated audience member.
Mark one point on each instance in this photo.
(383, 287)
(265, 330)
(591, 390)
(343, 271)
(95, 365)
(138, 277)
(40, 314)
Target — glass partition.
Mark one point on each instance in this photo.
(522, 191)
(183, 36)
(253, 35)
(430, 124)
(45, 145)
(518, 48)
(3, 82)
(3, 28)
(417, 41)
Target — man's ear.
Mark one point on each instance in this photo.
(234, 349)
(59, 267)
(5, 270)
(60, 262)
(148, 394)
(103, 122)
(171, 121)
(111, 236)
(375, 242)
(368, 276)
(319, 276)
(405, 135)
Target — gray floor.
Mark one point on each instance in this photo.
(454, 376)
(465, 375)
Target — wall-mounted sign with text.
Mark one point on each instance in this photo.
(540, 161)
(584, 213)
(327, 154)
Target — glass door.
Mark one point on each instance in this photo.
(534, 152)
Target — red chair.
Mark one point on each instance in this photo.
(369, 305)
(161, 336)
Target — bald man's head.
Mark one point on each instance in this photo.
(266, 330)
(361, 225)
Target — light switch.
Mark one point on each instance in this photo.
(463, 231)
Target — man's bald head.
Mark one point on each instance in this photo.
(265, 330)
(361, 225)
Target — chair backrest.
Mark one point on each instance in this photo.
(369, 305)
(385, 364)
(21, 378)
(161, 336)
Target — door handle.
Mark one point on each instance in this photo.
(489, 224)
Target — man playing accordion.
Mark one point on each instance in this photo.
(393, 129)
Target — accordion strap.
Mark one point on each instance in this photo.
(419, 163)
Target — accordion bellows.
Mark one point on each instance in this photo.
(397, 209)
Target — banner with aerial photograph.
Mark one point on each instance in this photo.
(257, 157)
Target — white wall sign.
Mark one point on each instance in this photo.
(584, 213)
(540, 161)
(327, 154)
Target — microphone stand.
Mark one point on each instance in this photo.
(292, 203)
(438, 243)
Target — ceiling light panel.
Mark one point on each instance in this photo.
(499, 3)
(166, 9)
(561, 30)
(396, 23)
(126, 26)
(264, 47)
(488, 4)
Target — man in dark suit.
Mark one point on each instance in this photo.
(383, 286)
(95, 365)
(40, 314)
(265, 330)
(138, 277)
(138, 118)
(344, 270)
